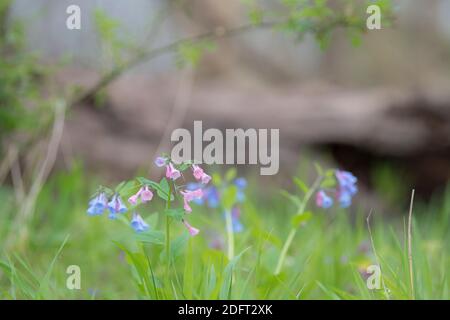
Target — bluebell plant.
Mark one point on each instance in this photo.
(140, 191)
(344, 192)
(342, 184)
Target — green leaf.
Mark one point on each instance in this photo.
(323, 38)
(230, 174)
(184, 165)
(106, 26)
(227, 284)
(355, 37)
(141, 266)
(177, 213)
(148, 182)
(294, 199)
(256, 16)
(44, 285)
(328, 182)
(319, 169)
(301, 185)
(163, 190)
(176, 247)
(211, 282)
(188, 277)
(190, 53)
(301, 219)
(216, 179)
(150, 236)
(127, 188)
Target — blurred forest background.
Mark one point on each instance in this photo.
(79, 108)
(377, 104)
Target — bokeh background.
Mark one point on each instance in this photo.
(384, 101)
(377, 104)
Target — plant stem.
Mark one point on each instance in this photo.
(293, 231)
(410, 257)
(168, 229)
(230, 234)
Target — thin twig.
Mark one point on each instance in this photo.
(410, 260)
(17, 180)
(145, 55)
(180, 106)
(11, 156)
(27, 207)
(218, 33)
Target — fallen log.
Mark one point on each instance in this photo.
(380, 123)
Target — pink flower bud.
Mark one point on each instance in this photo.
(192, 231)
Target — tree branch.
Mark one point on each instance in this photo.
(145, 55)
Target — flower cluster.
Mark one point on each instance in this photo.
(344, 192)
(100, 202)
(173, 173)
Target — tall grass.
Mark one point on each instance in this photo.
(328, 258)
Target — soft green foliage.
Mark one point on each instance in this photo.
(189, 53)
(325, 261)
(22, 105)
(113, 45)
(328, 250)
(322, 17)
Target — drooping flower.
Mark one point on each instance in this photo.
(347, 181)
(189, 196)
(346, 188)
(116, 206)
(210, 194)
(138, 224)
(134, 198)
(146, 194)
(160, 162)
(200, 175)
(235, 221)
(236, 224)
(323, 200)
(98, 204)
(212, 197)
(191, 186)
(344, 197)
(241, 184)
(197, 172)
(192, 231)
(171, 172)
(206, 179)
